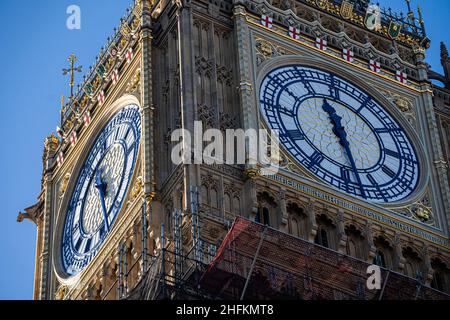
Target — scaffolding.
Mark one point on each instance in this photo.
(257, 262)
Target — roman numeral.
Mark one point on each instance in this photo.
(315, 159)
(88, 246)
(388, 171)
(287, 112)
(79, 242)
(388, 130)
(392, 153)
(295, 135)
(345, 175)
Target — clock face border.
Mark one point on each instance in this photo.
(356, 78)
(105, 115)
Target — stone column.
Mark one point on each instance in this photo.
(148, 109)
(312, 223)
(341, 236)
(399, 260)
(282, 212)
(371, 249)
(440, 185)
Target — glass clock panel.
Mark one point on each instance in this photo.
(100, 189)
(340, 133)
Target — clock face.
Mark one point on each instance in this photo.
(100, 189)
(340, 133)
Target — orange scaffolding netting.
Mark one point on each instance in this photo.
(257, 262)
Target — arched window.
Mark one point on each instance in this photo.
(214, 199)
(204, 195)
(326, 232)
(263, 216)
(356, 246)
(266, 209)
(352, 249)
(379, 259)
(384, 254)
(413, 263)
(441, 276)
(295, 227)
(298, 221)
(227, 202)
(237, 205)
(322, 237)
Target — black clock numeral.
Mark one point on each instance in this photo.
(315, 159)
(388, 130)
(88, 245)
(296, 135)
(392, 153)
(345, 175)
(287, 112)
(388, 171)
(78, 244)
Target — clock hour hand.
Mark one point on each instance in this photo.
(101, 187)
(339, 131)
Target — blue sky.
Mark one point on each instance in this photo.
(35, 47)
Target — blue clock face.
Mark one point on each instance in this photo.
(340, 133)
(100, 189)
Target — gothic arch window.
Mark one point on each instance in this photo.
(237, 205)
(266, 210)
(227, 203)
(214, 199)
(355, 243)
(413, 263)
(441, 276)
(384, 253)
(204, 194)
(326, 232)
(210, 196)
(298, 221)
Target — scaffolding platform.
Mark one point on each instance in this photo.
(256, 262)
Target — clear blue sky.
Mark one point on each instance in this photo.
(35, 47)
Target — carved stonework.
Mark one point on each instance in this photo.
(206, 115)
(422, 212)
(63, 185)
(61, 292)
(203, 66)
(224, 75)
(134, 85)
(227, 121)
(403, 104)
(266, 50)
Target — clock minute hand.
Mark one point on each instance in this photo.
(101, 187)
(339, 131)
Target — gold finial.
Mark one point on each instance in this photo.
(72, 59)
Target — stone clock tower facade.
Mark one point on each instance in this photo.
(363, 179)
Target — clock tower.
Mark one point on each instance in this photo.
(363, 178)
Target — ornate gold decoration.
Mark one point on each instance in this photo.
(266, 50)
(64, 185)
(403, 104)
(322, 3)
(346, 10)
(61, 292)
(252, 173)
(125, 29)
(135, 83)
(137, 188)
(421, 211)
(51, 143)
(71, 71)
